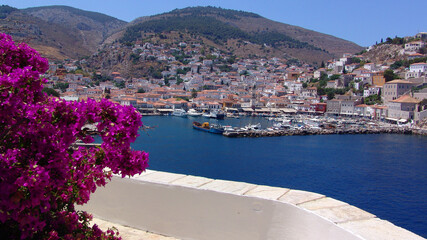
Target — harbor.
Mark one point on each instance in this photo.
(295, 124)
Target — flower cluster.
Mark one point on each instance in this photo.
(42, 173)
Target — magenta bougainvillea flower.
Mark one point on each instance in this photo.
(42, 176)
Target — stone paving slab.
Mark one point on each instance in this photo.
(128, 233)
(344, 214)
(377, 229)
(298, 196)
(192, 181)
(146, 172)
(237, 188)
(322, 203)
(160, 177)
(267, 192)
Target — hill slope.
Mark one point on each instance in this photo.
(59, 32)
(51, 40)
(221, 26)
(91, 27)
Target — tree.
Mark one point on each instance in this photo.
(62, 86)
(335, 76)
(331, 95)
(120, 84)
(373, 99)
(193, 93)
(305, 85)
(42, 174)
(179, 80)
(321, 91)
(322, 65)
(141, 90)
(51, 92)
(389, 75)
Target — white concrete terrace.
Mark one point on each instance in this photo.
(190, 207)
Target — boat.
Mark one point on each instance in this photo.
(217, 129)
(193, 113)
(218, 114)
(232, 115)
(179, 112)
(251, 127)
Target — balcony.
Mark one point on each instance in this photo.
(190, 207)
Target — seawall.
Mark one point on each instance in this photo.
(305, 132)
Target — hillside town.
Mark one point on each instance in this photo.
(204, 80)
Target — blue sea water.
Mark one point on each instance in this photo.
(384, 174)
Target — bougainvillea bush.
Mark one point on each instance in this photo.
(42, 173)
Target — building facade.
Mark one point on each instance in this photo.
(394, 89)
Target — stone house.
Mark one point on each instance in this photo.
(402, 108)
(394, 89)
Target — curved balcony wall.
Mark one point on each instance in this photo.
(189, 207)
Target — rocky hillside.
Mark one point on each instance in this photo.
(59, 32)
(385, 52)
(92, 28)
(51, 40)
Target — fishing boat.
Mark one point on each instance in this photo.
(217, 129)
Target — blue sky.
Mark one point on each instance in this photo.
(363, 22)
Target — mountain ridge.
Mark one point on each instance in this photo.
(89, 30)
(322, 46)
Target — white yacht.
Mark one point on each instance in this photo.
(206, 114)
(179, 112)
(193, 113)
